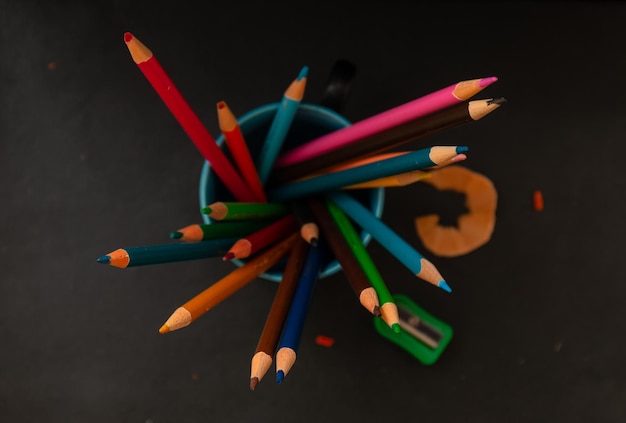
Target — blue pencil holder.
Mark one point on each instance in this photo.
(310, 121)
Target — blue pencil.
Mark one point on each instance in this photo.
(280, 125)
(398, 247)
(294, 323)
(415, 160)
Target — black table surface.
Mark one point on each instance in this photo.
(91, 160)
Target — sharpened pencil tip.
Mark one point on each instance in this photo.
(314, 242)
(206, 210)
(376, 312)
(303, 72)
(280, 375)
(104, 259)
(228, 256)
(444, 285)
(396, 328)
(487, 81)
(164, 329)
(499, 100)
(253, 383)
(176, 235)
(127, 37)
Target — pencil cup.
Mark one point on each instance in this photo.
(310, 121)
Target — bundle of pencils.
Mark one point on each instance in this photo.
(292, 208)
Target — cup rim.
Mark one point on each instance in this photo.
(377, 197)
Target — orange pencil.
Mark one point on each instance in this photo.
(228, 285)
(160, 81)
(239, 149)
(257, 240)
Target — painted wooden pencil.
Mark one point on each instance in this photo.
(415, 160)
(281, 124)
(396, 245)
(234, 139)
(296, 317)
(166, 253)
(227, 286)
(204, 231)
(266, 347)
(356, 276)
(191, 124)
(236, 210)
(262, 238)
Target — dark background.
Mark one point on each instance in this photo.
(91, 160)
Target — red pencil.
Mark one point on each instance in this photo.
(260, 239)
(239, 149)
(154, 73)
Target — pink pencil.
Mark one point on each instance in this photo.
(422, 106)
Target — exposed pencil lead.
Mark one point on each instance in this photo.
(280, 375)
(303, 73)
(206, 210)
(164, 329)
(228, 256)
(376, 311)
(314, 242)
(104, 259)
(444, 285)
(253, 383)
(499, 100)
(396, 328)
(176, 235)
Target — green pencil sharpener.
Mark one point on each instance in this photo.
(422, 335)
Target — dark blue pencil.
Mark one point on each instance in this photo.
(292, 331)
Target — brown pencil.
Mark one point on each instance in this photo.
(262, 359)
(343, 253)
(410, 131)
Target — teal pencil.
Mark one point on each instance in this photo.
(280, 125)
(398, 247)
(166, 253)
(388, 309)
(415, 160)
(294, 323)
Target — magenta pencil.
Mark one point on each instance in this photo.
(421, 106)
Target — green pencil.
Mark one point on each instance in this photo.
(233, 210)
(388, 309)
(205, 231)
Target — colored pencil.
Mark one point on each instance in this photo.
(392, 137)
(422, 106)
(166, 253)
(234, 139)
(191, 124)
(280, 124)
(396, 245)
(399, 180)
(308, 227)
(415, 160)
(353, 270)
(235, 210)
(296, 317)
(204, 231)
(261, 238)
(228, 285)
(262, 358)
(388, 309)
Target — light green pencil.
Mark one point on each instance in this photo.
(388, 309)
